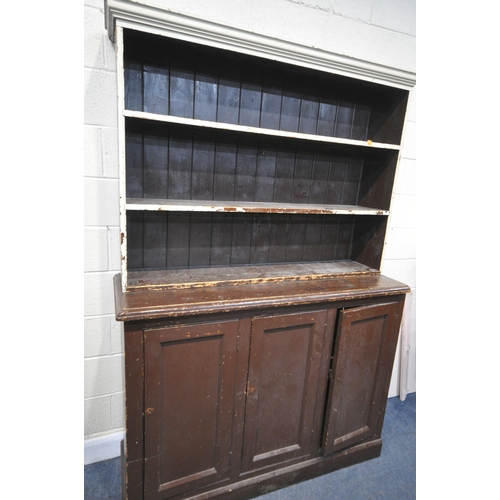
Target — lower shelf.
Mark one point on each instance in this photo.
(237, 275)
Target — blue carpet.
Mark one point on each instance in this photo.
(389, 477)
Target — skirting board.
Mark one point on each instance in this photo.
(103, 447)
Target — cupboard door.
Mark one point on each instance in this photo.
(361, 370)
(189, 397)
(285, 383)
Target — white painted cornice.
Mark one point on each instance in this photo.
(130, 14)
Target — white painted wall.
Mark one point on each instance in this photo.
(380, 31)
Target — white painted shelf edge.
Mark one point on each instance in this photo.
(256, 130)
(160, 205)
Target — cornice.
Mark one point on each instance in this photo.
(135, 15)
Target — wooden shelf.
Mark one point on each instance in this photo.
(247, 207)
(256, 130)
(245, 274)
(159, 302)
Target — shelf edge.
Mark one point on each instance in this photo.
(228, 127)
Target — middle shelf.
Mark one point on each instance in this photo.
(219, 170)
(166, 205)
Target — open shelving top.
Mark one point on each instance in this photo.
(237, 170)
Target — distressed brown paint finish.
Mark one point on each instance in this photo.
(364, 345)
(296, 392)
(160, 303)
(189, 404)
(284, 372)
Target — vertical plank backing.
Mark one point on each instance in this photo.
(266, 170)
(352, 180)
(200, 234)
(278, 238)
(246, 170)
(312, 238)
(135, 240)
(178, 239)
(250, 96)
(156, 85)
(134, 161)
(203, 165)
(179, 164)
(329, 232)
(220, 249)
(228, 103)
(224, 171)
(271, 99)
(320, 176)
(344, 237)
(296, 238)
(159, 240)
(343, 124)
(290, 107)
(309, 109)
(155, 241)
(285, 164)
(205, 88)
(338, 168)
(155, 175)
(241, 239)
(360, 121)
(327, 113)
(181, 85)
(259, 251)
(302, 176)
(132, 72)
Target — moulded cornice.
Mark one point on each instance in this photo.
(135, 15)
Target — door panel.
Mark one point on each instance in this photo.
(189, 398)
(361, 364)
(284, 381)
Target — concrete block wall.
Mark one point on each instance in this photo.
(381, 31)
(103, 337)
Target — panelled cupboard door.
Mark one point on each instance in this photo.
(287, 379)
(365, 341)
(190, 388)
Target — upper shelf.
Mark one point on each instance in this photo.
(256, 130)
(179, 80)
(247, 207)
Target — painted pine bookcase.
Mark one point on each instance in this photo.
(254, 196)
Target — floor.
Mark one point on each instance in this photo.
(389, 477)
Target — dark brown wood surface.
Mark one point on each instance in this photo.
(284, 375)
(269, 375)
(360, 365)
(190, 374)
(160, 303)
